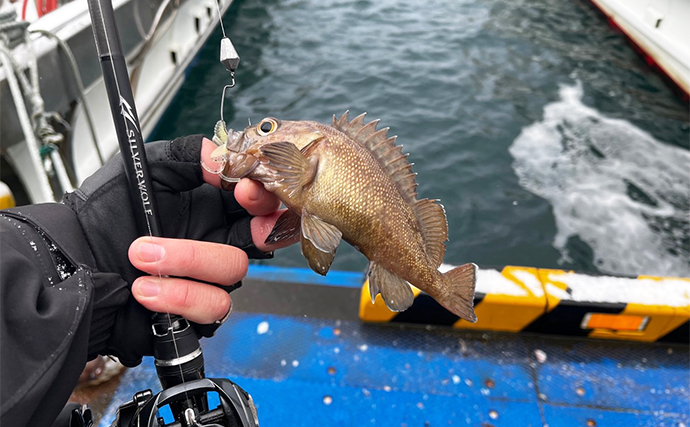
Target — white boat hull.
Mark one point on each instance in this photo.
(660, 29)
(161, 73)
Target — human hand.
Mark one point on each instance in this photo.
(209, 234)
(206, 261)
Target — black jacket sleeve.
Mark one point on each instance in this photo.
(64, 294)
(52, 301)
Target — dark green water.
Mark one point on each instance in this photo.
(548, 139)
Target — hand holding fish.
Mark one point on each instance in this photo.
(210, 234)
(349, 181)
(253, 197)
(206, 261)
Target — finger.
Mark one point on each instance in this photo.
(262, 226)
(194, 301)
(211, 262)
(252, 196)
(207, 147)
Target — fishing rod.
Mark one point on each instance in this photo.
(178, 356)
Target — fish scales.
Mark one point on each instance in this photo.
(354, 193)
(350, 181)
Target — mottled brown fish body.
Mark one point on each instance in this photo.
(356, 195)
(351, 181)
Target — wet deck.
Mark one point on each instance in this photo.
(301, 352)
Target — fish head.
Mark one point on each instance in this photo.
(239, 152)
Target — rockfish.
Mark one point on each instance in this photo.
(350, 181)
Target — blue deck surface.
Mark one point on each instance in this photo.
(305, 371)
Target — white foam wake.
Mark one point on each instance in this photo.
(616, 187)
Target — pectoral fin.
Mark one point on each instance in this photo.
(319, 242)
(290, 164)
(287, 226)
(395, 291)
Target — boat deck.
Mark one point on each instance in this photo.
(295, 343)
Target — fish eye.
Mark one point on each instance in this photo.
(267, 125)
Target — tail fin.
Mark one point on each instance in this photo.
(458, 295)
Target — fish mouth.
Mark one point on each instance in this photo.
(236, 143)
(234, 163)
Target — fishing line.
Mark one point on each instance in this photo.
(228, 57)
(220, 19)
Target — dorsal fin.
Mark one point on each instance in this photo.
(366, 131)
(384, 150)
(432, 219)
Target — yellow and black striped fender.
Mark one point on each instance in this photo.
(527, 299)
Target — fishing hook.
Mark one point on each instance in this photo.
(222, 99)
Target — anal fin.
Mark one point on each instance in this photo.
(395, 291)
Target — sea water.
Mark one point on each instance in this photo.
(548, 139)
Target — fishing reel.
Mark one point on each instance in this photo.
(188, 399)
(234, 406)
